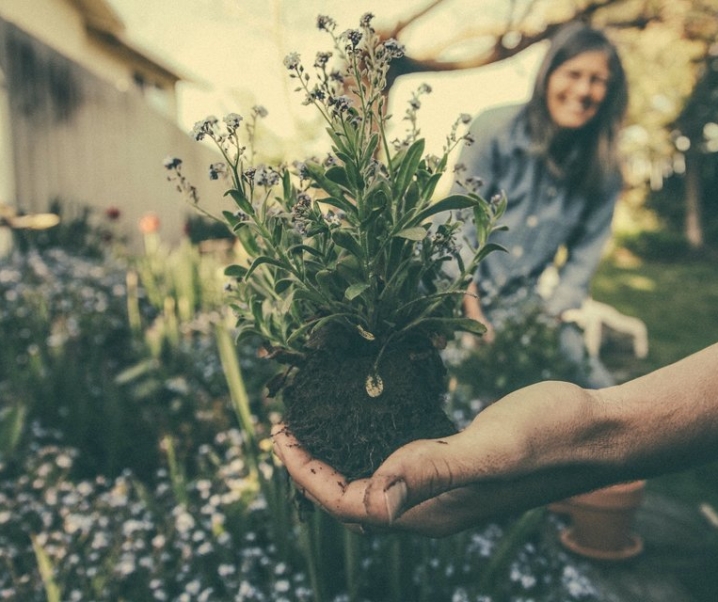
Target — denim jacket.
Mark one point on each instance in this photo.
(542, 214)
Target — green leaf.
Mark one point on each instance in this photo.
(235, 271)
(325, 279)
(241, 200)
(349, 268)
(370, 148)
(452, 325)
(282, 285)
(355, 290)
(319, 175)
(417, 233)
(375, 204)
(232, 220)
(489, 248)
(339, 175)
(46, 569)
(408, 166)
(246, 238)
(340, 203)
(345, 240)
(286, 185)
(315, 324)
(428, 187)
(355, 179)
(411, 197)
(12, 422)
(295, 249)
(263, 259)
(450, 203)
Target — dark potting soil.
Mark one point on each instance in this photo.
(328, 409)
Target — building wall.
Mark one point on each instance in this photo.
(78, 139)
(60, 25)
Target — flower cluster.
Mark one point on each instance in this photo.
(117, 538)
(105, 540)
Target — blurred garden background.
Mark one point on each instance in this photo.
(135, 462)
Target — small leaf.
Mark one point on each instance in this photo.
(454, 324)
(450, 203)
(241, 200)
(296, 249)
(345, 240)
(262, 260)
(417, 233)
(235, 271)
(365, 333)
(319, 175)
(340, 203)
(374, 385)
(282, 285)
(411, 197)
(338, 175)
(489, 248)
(408, 166)
(355, 290)
(370, 148)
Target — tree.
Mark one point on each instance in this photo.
(698, 123)
(666, 46)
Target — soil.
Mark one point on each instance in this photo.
(328, 409)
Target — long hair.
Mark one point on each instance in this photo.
(588, 157)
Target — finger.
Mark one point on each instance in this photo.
(317, 480)
(283, 440)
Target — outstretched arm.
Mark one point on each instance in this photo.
(541, 443)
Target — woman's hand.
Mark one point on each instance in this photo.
(472, 309)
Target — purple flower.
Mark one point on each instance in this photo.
(172, 162)
(326, 23)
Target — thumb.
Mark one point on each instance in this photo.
(413, 474)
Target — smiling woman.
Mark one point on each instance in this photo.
(555, 158)
(577, 88)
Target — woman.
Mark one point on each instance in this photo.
(555, 158)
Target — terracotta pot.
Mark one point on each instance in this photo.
(602, 522)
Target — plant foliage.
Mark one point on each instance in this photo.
(357, 239)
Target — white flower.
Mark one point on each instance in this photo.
(232, 121)
(292, 61)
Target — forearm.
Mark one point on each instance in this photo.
(662, 422)
(666, 420)
(554, 439)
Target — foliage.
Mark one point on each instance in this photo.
(525, 351)
(91, 350)
(348, 240)
(120, 539)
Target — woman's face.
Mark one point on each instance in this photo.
(576, 89)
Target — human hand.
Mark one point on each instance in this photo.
(521, 452)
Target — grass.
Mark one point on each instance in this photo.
(677, 301)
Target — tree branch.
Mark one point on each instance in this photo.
(498, 51)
